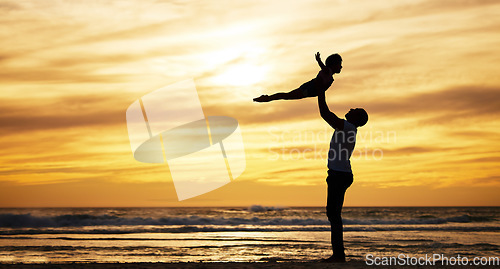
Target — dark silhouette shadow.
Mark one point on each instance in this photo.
(320, 83)
(340, 176)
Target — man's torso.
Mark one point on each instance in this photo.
(341, 148)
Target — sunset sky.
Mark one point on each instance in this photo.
(427, 72)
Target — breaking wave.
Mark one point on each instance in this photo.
(220, 223)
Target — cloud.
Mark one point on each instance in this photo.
(429, 7)
(446, 105)
(408, 151)
(491, 159)
(57, 76)
(435, 107)
(464, 135)
(76, 111)
(9, 6)
(486, 181)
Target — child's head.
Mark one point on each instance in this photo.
(334, 62)
(357, 116)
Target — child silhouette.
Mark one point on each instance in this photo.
(321, 83)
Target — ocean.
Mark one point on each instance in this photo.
(241, 234)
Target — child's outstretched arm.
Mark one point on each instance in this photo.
(320, 63)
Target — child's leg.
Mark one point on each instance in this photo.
(293, 95)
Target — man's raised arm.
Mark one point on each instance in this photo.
(327, 115)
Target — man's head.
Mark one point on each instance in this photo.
(357, 116)
(334, 62)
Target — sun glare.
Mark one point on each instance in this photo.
(241, 75)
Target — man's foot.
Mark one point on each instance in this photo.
(334, 259)
(262, 98)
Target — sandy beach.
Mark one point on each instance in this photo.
(238, 265)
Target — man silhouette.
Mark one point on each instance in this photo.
(340, 175)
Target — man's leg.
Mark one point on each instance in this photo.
(338, 182)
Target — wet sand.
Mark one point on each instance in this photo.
(237, 265)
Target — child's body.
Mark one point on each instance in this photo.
(321, 82)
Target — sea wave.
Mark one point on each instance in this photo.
(79, 220)
(260, 208)
(256, 243)
(200, 228)
(28, 220)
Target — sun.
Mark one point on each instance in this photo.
(241, 75)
